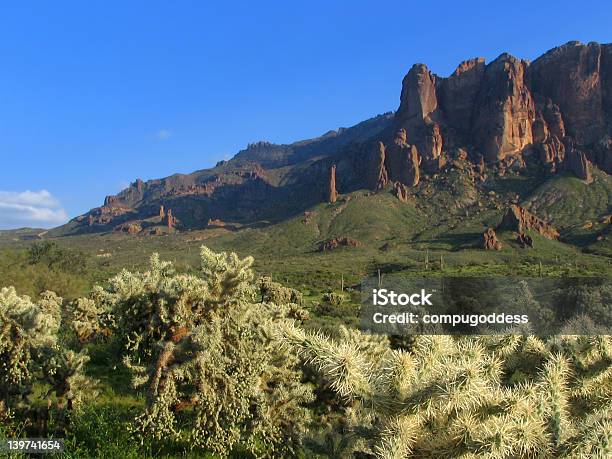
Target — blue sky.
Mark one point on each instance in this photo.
(95, 94)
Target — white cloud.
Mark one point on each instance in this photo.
(30, 208)
(163, 134)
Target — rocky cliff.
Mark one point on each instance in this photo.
(509, 110)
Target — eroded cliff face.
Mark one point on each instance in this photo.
(557, 109)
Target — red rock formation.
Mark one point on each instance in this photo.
(400, 191)
(170, 220)
(418, 99)
(458, 93)
(90, 220)
(490, 240)
(414, 162)
(571, 76)
(377, 172)
(519, 220)
(337, 242)
(578, 163)
(539, 130)
(552, 152)
(431, 148)
(110, 200)
(504, 109)
(493, 107)
(128, 227)
(162, 213)
(332, 193)
(403, 161)
(481, 169)
(554, 120)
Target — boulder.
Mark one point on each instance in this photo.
(519, 220)
(337, 242)
(490, 240)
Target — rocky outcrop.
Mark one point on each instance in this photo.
(580, 166)
(417, 115)
(418, 99)
(403, 160)
(401, 192)
(170, 220)
(524, 240)
(162, 212)
(377, 176)
(490, 241)
(431, 148)
(414, 162)
(458, 94)
(338, 242)
(332, 193)
(571, 76)
(551, 152)
(481, 170)
(520, 220)
(128, 227)
(504, 109)
(553, 118)
(90, 220)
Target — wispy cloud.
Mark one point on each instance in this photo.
(30, 208)
(163, 134)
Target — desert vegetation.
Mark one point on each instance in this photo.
(218, 362)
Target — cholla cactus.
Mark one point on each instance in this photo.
(208, 355)
(89, 320)
(31, 353)
(462, 397)
(28, 332)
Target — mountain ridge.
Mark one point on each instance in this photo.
(486, 123)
